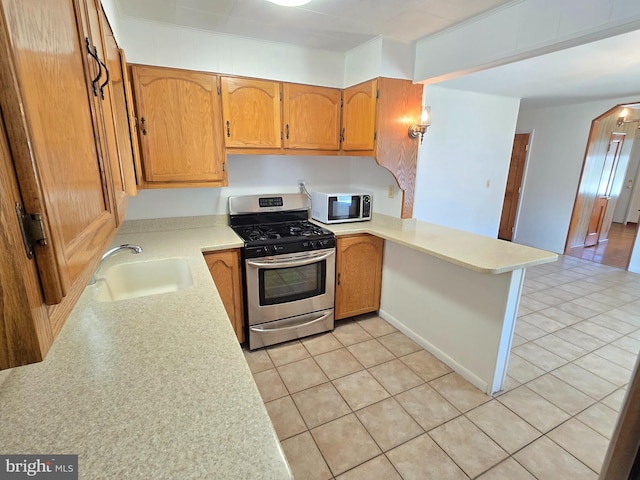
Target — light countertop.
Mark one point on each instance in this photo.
(468, 250)
(157, 386)
(152, 387)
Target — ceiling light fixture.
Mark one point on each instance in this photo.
(290, 3)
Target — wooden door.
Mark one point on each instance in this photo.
(604, 190)
(359, 116)
(52, 124)
(251, 111)
(225, 269)
(311, 117)
(180, 130)
(514, 186)
(358, 275)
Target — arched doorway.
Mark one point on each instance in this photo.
(593, 233)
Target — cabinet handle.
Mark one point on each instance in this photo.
(338, 282)
(143, 125)
(286, 127)
(342, 135)
(228, 128)
(107, 80)
(94, 54)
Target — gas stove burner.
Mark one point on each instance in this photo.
(278, 224)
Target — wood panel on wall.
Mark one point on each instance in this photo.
(596, 151)
(399, 105)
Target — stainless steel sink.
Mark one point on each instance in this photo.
(140, 279)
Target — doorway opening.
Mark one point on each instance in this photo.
(603, 226)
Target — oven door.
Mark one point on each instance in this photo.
(288, 285)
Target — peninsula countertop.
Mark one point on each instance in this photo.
(469, 250)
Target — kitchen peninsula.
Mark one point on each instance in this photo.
(157, 386)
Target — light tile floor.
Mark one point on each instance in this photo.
(366, 402)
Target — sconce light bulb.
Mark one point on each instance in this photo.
(425, 118)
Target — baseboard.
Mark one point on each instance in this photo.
(439, 354)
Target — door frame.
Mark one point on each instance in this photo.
(577, 203)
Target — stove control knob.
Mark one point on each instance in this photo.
(312, 244)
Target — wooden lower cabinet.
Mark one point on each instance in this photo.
(225, 269)
(358, 274)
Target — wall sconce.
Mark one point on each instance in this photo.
(416, 130)
(624, 118)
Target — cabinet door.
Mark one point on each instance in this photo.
(251, 110)
(180, 130)
(311, 117)
(52, 127)
(125, 138)
(358, 275)
(25, 331)
(120, 171)
(225, 270)
(359, 116)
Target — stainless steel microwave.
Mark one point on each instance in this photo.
(341, 207)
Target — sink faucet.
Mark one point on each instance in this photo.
(126, 246)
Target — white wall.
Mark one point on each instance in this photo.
(629, 201)
(171, 46)
(526, 28)
(554, 163)
(257, 174)
(634, 261)
(464, 162)
(111, 11)
(379, 57)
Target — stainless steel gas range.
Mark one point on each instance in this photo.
(289, 268)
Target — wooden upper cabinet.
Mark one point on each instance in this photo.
(180, 127)
(358, 275)
(120, 102)
(251, 113)
(311, 117)
(359, 116)
(107, 135)
(52, 125)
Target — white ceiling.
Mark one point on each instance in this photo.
(337, 25)
(604, 69)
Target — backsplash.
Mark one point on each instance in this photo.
(252, 174)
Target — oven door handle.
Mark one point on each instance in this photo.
(291, 262)
(260, 329)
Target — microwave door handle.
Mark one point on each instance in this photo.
(291, 327)
(291, 262)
